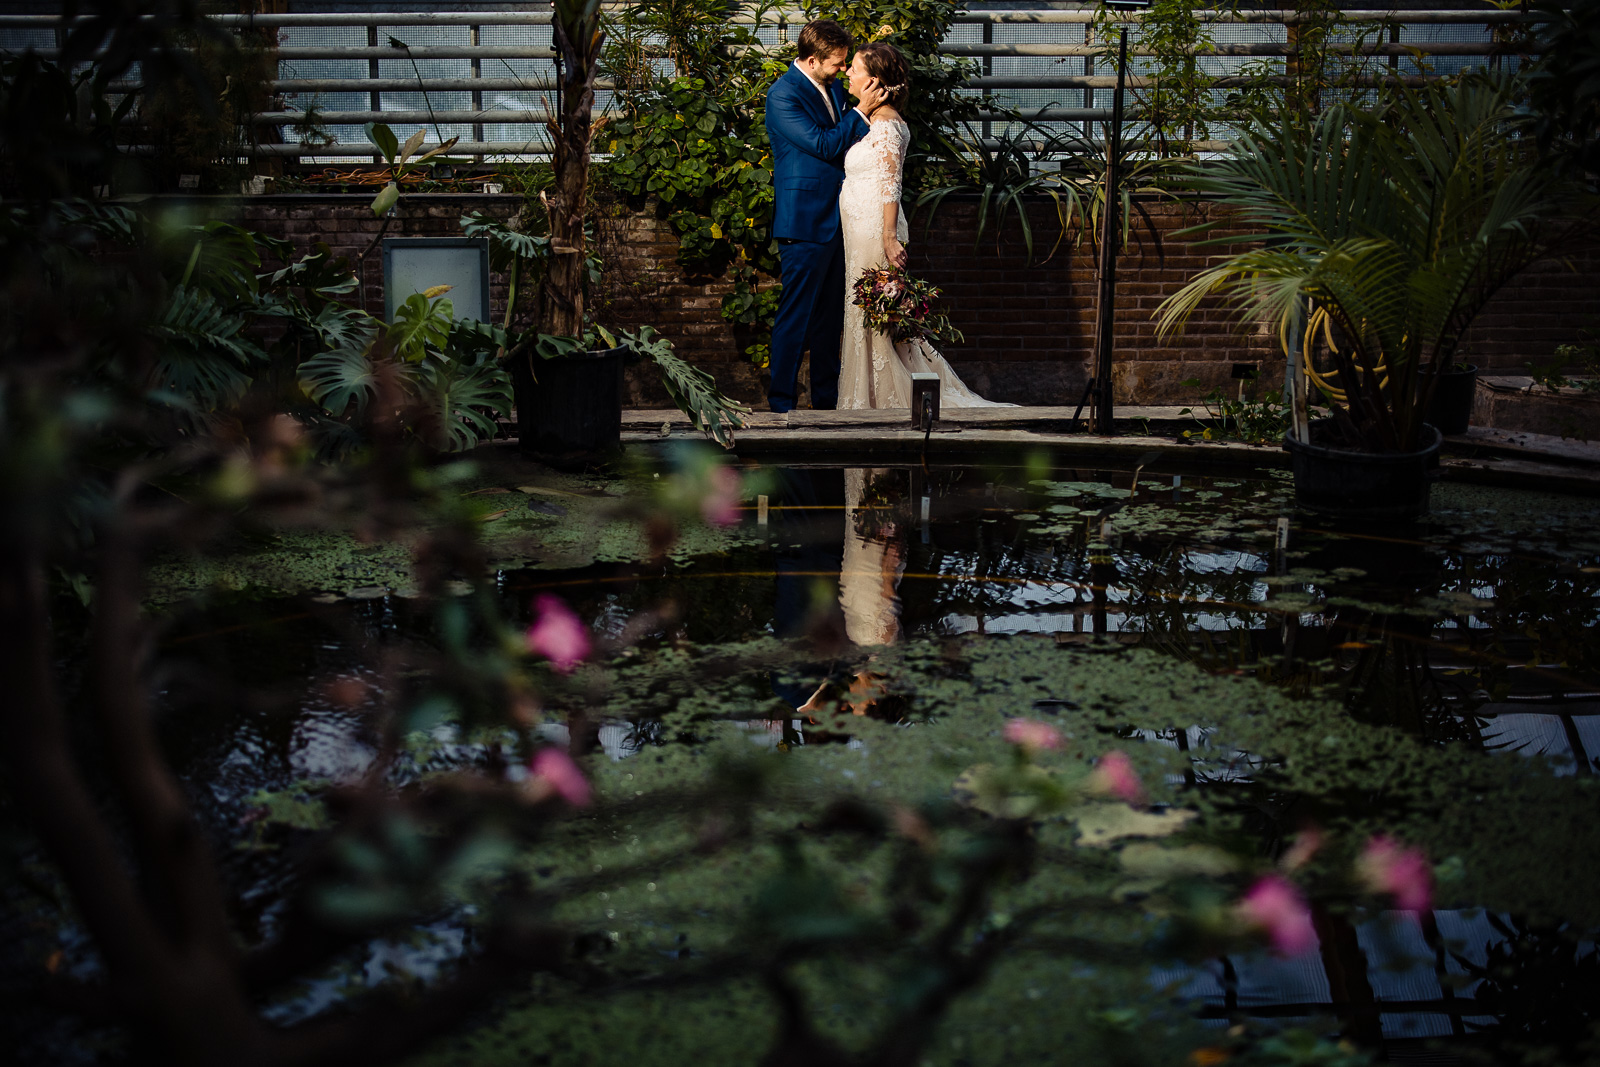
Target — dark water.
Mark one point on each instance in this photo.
(1475, 629)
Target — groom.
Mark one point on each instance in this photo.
(810, 130)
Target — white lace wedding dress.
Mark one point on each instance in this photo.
(874, 372)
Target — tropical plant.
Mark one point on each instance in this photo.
(691, 388)
(696, 139)
(578, 33)
(1397, 223)
(1023, 162)
(1564, 86)
(1175, 98)
(521, 255)
(445, 369)
(399, 162)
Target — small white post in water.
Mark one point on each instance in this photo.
(761, 510)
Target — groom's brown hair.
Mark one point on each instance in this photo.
(824, 37)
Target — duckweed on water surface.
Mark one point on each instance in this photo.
(1351, 683)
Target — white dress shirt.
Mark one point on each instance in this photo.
(827, 97)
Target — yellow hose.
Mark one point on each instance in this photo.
(1321, 320)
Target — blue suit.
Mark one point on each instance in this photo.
(808, 150)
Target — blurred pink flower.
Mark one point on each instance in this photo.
(557, 634)
(1032, 735)
(1387, 866)
(556, 768)
(1273, 904)
(1114, 776)
(1306, 843)
(720, 505)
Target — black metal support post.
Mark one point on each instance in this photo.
(1110, 236)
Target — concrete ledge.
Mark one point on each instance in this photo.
(1481, 456)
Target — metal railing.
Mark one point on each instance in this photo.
(383, 82)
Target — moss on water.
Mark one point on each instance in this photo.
(535, 518)
(1507, 833)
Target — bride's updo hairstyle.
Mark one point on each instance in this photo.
(886, 63)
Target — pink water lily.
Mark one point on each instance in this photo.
(557, 634)
(1114, 776)
(1031, 735)
(1387, 866)
(720, 505)
(1275, 906)
(556, 770)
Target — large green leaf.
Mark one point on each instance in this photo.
(505, 243)
(463, 400)
(692, 389)
(420, 325)
(203, 358)
(338, 378)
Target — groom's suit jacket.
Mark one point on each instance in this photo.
(808, 150)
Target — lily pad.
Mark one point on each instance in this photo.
(1101, 824)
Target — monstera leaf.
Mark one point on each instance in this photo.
(692, 389)
(463, 400)
(340, 377)
(506, 245)
(203, 358)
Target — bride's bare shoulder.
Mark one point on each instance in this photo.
(886, 115)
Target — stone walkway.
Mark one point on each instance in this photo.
(1145, 435)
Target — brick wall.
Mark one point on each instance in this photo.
(1028, 328)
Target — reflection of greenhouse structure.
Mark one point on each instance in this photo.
(483, 72)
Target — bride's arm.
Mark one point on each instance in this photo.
(892, 160)
(893, 250)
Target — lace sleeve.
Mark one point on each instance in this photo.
(889, 149)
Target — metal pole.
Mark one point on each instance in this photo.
(1110, 231)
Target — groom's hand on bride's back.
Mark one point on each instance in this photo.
(871, 95)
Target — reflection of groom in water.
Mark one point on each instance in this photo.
(810, 129)
(808, 524)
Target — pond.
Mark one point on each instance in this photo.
(863, 635)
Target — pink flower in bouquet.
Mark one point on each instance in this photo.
(556, 769)
(1031, 735)
(1114, 776)
(1274, 905)
(557, 634)
(720, 505)
(1387, 866)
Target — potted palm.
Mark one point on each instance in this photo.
(1376, 235)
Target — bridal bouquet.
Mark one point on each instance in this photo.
(905, 308)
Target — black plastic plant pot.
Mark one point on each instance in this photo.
(1450, 407)
(1364, 485)
(569, 409)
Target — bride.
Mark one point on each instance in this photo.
(874, 371)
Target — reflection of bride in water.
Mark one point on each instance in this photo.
(873, 560)
(850, 524)
(874, 557)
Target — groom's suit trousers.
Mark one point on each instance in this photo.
(810, 316)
